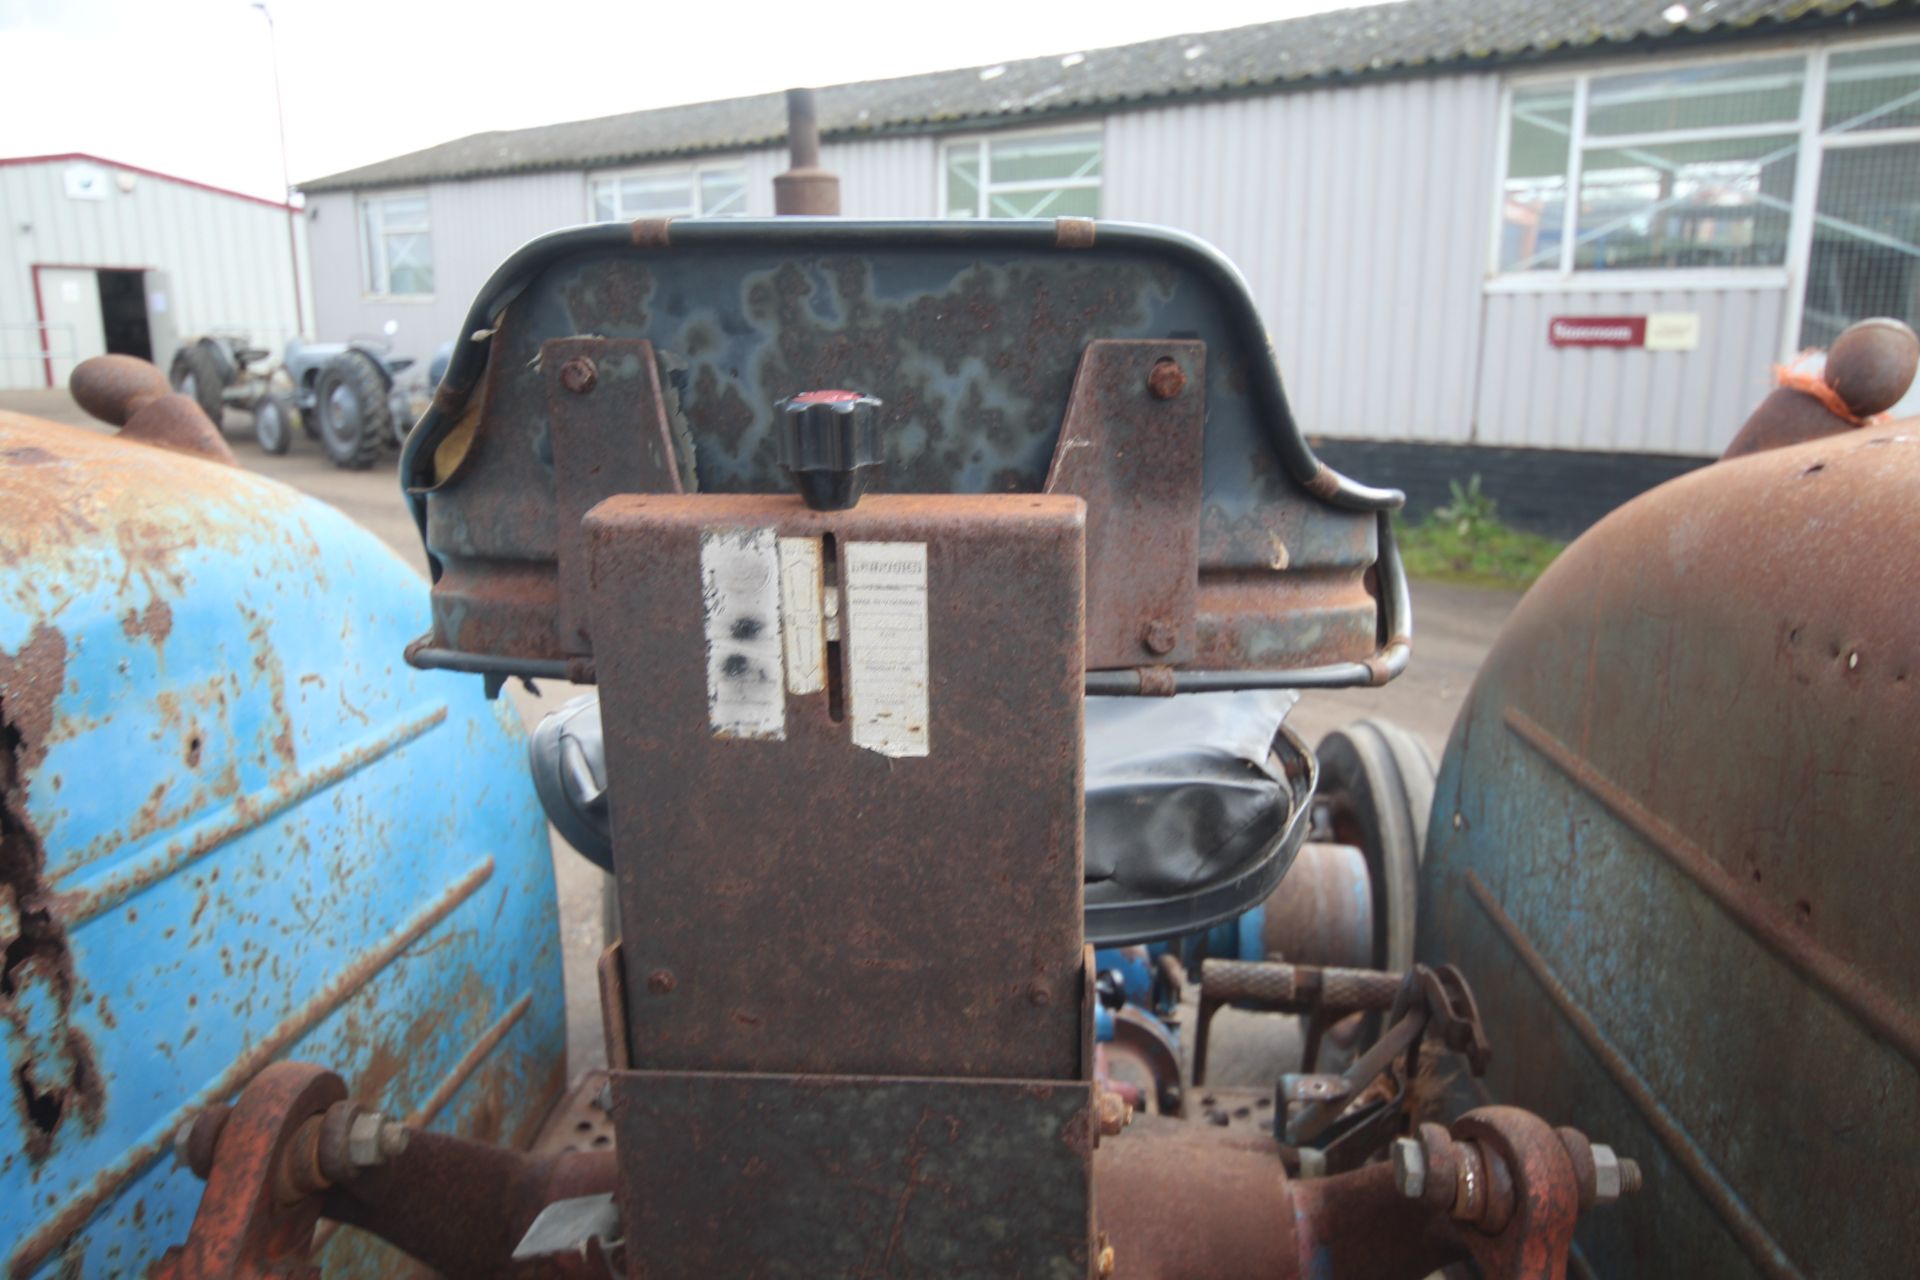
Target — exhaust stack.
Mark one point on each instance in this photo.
(805, 188)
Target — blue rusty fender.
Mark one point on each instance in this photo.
(235, 826)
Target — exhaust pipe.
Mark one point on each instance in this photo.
(805, 188)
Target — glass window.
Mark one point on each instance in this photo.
(1025, 176)
(668, 193)
(1683, 167)
(1873, 89)
(399, 248)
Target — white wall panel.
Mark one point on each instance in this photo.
(1357, 215)
(227, 258)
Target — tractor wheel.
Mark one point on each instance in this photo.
(273, 419)
(351, 404)
(196, 375)
(1376, 783)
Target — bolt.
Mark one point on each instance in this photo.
(1159, 636)
(1613, 1176)
(183, 1143)
(373, 1140)
(1106, 1261)
(194, 1140)
(660, 982)
(1114, 1111)
(1038, 994)
(1166, 379)
(578, 375)
(1410, 1167)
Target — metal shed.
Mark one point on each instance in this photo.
(109, 257)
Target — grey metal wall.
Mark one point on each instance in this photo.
(227, 260)
(475, 226)
(1359, 216)
(1626, 398)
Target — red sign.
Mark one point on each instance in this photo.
(1597, 331)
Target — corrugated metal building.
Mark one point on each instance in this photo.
(103, 257)
(1417, 193)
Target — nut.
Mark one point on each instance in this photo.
(1410, 1167)
(373, 1140)
(661, 982)
(1114, 1111)
(579, 375)
(1106, 1261)
(1610, 1175)
(1159, 636)
(182, 1140)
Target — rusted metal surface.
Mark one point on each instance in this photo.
(610, 435)
(974, 351)
(887, 884)
(1683, 788)
(1135, 456)
(805, 188)
(1322, 913)
(1867, 371)
(825, 1175)
(215, 843)
(243, 1229)
(135, 396)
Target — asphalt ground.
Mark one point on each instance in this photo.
(1453, 628)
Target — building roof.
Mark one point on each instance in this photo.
(1410, 36)
(70, 157)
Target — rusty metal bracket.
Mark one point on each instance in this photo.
(610, 435)
(1131, 445)
(841, 1175)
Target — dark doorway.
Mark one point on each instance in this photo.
(123, 313)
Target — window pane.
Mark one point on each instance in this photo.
(376, 270)
(656, 197)
(1060, 202)
(404, 213)
(963, 181)
(1045, 159)
(604, 207)
(1873, 89)
(409, 263)
(1719, 93)
(1866, 241)
(723, 191)
(1534, 200)
(1693, 204)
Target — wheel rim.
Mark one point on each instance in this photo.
(190, 387)
(268, 424)
(343, 413)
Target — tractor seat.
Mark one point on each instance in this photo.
(1195, 804)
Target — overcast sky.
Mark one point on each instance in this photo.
(186, 86)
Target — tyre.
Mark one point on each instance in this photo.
(351, 406)
(273, 419)
(198, 374)
(1376, 783)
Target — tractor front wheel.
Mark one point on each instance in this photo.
(196, 374)
(351, 405)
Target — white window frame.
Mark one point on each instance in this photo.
(693, 173)
(373, 246)
(986, 184)
(1565, 277)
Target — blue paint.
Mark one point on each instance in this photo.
(261, 826)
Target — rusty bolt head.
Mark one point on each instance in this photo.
(1410, 1167)
(578, 375)
(1037, 994)
(373, 1140)
(1159, 636)
(660, 982)
(1166, 379)
(1114, 1112)
(194, 1140)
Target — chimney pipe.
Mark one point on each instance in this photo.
(805, 188)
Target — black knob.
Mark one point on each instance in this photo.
(1110, 986)
(829, 441)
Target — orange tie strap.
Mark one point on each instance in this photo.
(1797, 377)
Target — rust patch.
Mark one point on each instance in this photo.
(154, 622)
(56, 1075)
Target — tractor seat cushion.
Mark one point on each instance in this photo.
(1176, 785)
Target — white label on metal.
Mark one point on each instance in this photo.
(740, 585)
(886, 632)
(802, 625)
(1673, 331)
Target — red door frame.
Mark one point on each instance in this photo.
(40, 305)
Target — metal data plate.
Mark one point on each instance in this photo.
(912, 906)
(785, 1176)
